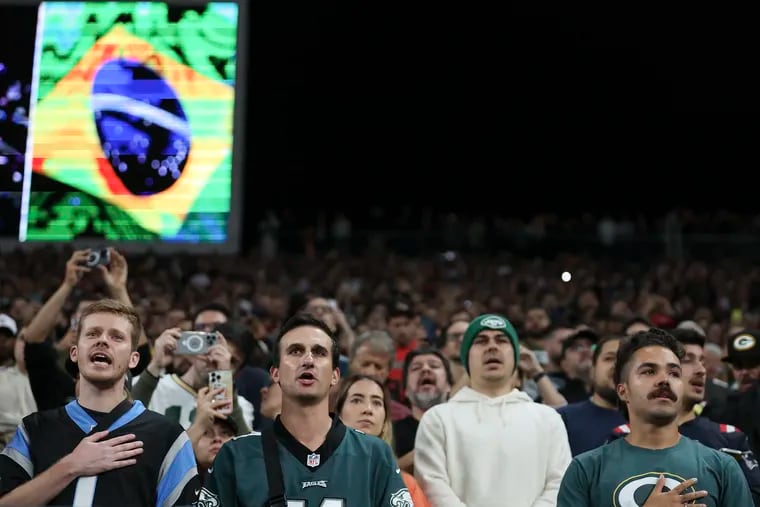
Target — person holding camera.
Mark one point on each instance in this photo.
(211, 428)
(51, 385)
(175, 395)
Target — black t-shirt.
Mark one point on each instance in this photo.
(165, 473)
(741, 409)
(404, 433)
(573, 390)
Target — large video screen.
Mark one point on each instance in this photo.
(121, 121)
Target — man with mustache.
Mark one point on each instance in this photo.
(654, 465)
(490, 443)
(702, 429)
(590, 421)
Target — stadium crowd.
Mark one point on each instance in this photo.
(488, 376)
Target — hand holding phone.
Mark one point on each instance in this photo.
(222, 379)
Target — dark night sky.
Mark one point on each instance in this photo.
(547, 105)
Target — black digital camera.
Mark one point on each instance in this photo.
(98, 257)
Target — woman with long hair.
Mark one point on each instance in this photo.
(363, 403)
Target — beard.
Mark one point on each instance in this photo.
(608, 394)
(427, 400)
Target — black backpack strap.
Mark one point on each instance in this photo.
(274, 471)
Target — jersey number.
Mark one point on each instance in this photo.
(326, 502)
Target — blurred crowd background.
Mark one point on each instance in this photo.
(396, 285)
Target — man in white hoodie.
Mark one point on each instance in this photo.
(490, 444)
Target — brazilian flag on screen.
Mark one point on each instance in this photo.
(134, 117)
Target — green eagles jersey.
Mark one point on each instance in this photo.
(351, 469)
(621, 475)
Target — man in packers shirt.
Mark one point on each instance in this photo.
(102, 448)
(654, 464)
(712, 434)
(322, 462)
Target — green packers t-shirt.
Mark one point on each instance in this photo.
(619, 474)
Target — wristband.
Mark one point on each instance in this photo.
(538, 376)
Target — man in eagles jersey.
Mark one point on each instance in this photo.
(323, 463)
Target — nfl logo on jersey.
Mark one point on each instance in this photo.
(312, 460)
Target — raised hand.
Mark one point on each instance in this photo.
(115, 274)
(675, 497)
(75, 268)
(219, 355)
(94, 455)
(163, 350)
(207, 407)
(529, 364)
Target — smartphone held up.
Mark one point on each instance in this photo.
(222, 379)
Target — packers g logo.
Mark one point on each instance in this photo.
(744, 342)
(634, 491)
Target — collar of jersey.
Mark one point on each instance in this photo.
(300, 452)
(128, 413)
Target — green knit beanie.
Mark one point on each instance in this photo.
(487, 321)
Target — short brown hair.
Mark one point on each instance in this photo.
(115, 308)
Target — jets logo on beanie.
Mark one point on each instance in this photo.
(488, 321)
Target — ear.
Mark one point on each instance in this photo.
(73, 353)
(335, 377)
(134, 358)
(622, 392)
(274, 372)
